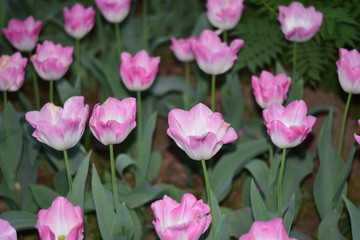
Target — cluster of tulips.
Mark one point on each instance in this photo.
(200, 132)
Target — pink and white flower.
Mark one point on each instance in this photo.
(298, 23)
(138, 73)
(271, 230)
(60, 128)
(7, 232)
(213, 56)
(112, 121)
(23, 35)
(61, 221)
(199, 132)
(186, 220)
(52, 61)
(348, 69)
(78, 20)
(224, 14)
(288, 126)
(12, 72)
(182, 48)
(269, 89)
(114, 11)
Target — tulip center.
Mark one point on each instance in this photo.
(4, 61)
(227, 3)
(62, 237)
(197, 217)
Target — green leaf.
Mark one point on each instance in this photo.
(20, 220)
(140, 195)
(201, 24)
(354, 217)
(240, 217)
(260, 172)
(155, 164)
(258, 206)
(296, 91)
(123, 227)
(222, 232)
(164, 85)
(328, 229)
(65, 90)
(289, 214)
(43, 195)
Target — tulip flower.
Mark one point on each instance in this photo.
(224, 14)
(186, 220)
(114, 11)
(23, 35)
(182, 48)
(271, 230)
(269, 89)
(78, 20)
(12, 72)
(348, 69)
(62, 221)
(7, 232)
(298, 23)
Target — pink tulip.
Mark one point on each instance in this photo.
(182, 48)
(186, 220)
(224, 14)
(12, 72)
(61, 221)
(7, 232)
(199, 132)
(213, 56)
(52, 61)
(298, 23)
(60, 128)
(288, 126)
(348, 68)
(112, 121)
(138, 73)
(78, 21)
(271, 230)
(23, 35)
(114, 11)
(269, 89)
(357, 137)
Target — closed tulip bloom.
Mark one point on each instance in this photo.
(114, 11)
(199, 132)
(12, 72)
(60, 128)
(181, 221)
(269, 89)
(288, 126)
(62, 221)
(78, 20)
(224, 14)
(298, 23)
(348, 69)
(7, 232)
(52, 61)
(138, 73)
(213, 56)
(182, 48)
(23, 35)
(271, 230)
(112, 121)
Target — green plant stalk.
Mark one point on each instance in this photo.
(225, 36)
(207, 183)
(77, 56)
(341, 138)
(145, 24)
(51, 91)
(7, 129)
(139, 122)
(100, 29)
(68, 172)
(187, 90)
(213, 84)
(113, 177)
(280, 180)
(118, 37)
(294, 61)
(36, 88)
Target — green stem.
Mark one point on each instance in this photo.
(225, 36)
(113, 177)
(269, 7)
(280, 180)
(139, 122)
(294, 60)
(36, 88)
(51, 91)
(145, 24)
(341, 138)
(68, 173)
(7, 123)
(187, 91)
(118, 37)
(213, 81)
(77, 56)
(99, 25)
(207, 183)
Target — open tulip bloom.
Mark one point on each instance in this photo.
(12, 72)
(78, 20)
(186, 220)
(7, 232)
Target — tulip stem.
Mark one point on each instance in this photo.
(225, 36)
(139, 122)
(77, 56)
(187, 91)
(118, 37)
(280, 180)
(341, 137)
(207, 183)
(36, 88)
(68, 173)
(145, 24)
(294, 60)
(100, 29)
(213, 81)
(113, 177)
(51, 91)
